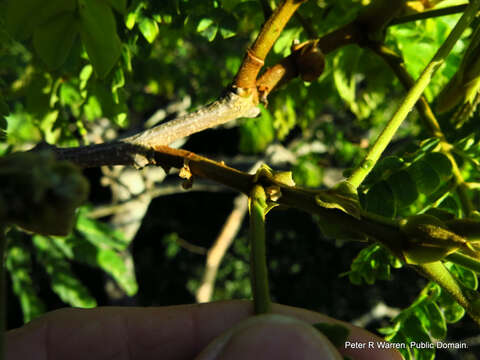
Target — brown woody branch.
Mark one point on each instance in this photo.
(271, 30)
(367, 27)
(240, 101)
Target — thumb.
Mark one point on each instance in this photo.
(271, 337)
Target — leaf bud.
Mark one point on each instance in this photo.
(309, 59)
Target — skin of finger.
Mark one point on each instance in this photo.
(271, 336)
(172, 332)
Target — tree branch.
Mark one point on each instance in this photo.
(429, 14)
(135, 150)
(271, 30)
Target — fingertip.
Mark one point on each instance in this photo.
(271, 337)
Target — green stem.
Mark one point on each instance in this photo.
(429, 14)
(258, 257)
(437, 272)
(465, 261)
(397, 65)
(462, 190)
(412, 96)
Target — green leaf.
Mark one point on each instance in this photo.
(171, 242)
(54, 40)
(285, 116)
(437, 322)
(131, 20)
(403, 187)
(19, 264)
(100, 234)
(210, 32)
(149, 29)
(69, 95)
(103, 100)
(429, 144)
(398, 337)
(307, 172)
(414, 331)
(345, 67)
(99, 35)
(84, 76)
(451, 205)
(133, 16)
(119, 266)
(92, 108)
(385, 167)
(203, 24)
(370, 264)
(425, 176)
(380, 200)
(452, 310)
(466, 276)
(228, 26)
(116, 266)
(466, 143)
(441, 164)
(22, 16)
(63, 282)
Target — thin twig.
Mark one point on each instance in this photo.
(428, 14)
(219, 248)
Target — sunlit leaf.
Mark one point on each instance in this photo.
(19, 264)
(63, 282)
(101, 234)
(437, 323)
(149, 29)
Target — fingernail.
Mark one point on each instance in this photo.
(271, 337)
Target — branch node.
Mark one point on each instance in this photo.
(186, 174)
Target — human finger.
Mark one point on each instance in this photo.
(172, 332)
